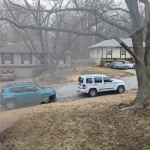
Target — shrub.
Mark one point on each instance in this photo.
(102, 63)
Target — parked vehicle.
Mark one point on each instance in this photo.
(129, 64)
(117, 65)
(8, 74)
(25, 93)
(94, 83)
(133, 65)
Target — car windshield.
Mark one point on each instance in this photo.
(38, 86)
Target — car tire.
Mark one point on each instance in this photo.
(45, 99)
(92, 92)
(120, 89)
(10, 104)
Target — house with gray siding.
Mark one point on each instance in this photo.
(20, 58)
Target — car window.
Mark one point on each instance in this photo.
(89, 80)
(118, 63)
(106, 79)
(80, 80)
(30, 89)
(98, 80)
(17, 90)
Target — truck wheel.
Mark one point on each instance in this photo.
(92, 92)
(45, 99)
(120, 89)
(10, 104)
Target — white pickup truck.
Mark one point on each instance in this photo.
(94, 83)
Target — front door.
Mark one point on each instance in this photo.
(32, 96)
(20, 95)
(108, 85)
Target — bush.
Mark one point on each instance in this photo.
(102, 63)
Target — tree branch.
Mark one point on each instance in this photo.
(93, 11)
(138, 60)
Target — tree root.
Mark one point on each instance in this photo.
(131, 107)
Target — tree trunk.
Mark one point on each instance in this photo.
(142, 70)
(143, 94)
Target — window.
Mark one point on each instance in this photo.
(80, 80)
(7, 58)
(106, 79)
(26, 58)
(89, 80)
(17, 90)
(109, 51)
(30, 89)
(123, 51)
(98, 80)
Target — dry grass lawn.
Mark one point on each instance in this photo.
(90, 124)
(115, 73)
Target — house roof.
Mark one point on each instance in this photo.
(113, 43)
(21, 47)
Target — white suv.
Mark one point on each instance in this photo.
(94, 83)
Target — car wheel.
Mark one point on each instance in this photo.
(92, 92)
(10, 104)
(120, 89)
(45, 99)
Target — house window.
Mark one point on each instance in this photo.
(123, 51)
(26, 59)
(7, 58)
(109, 51)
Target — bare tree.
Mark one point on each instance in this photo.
(128, 18)
(48, 47)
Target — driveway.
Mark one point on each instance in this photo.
(65, 92)
(69, 92)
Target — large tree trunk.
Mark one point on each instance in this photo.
(142, 70)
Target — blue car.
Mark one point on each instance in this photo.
(25, 93)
